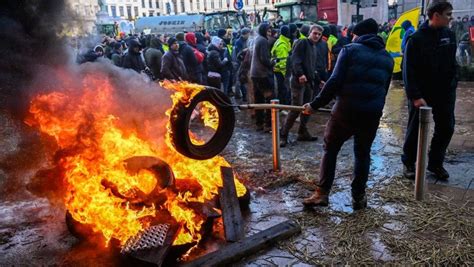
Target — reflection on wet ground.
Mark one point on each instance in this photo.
(33, 230)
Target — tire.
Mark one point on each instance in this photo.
(181, 115)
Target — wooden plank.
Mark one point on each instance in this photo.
(245, 247)
(231, 214)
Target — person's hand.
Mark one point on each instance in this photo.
(302, 79)
(321, 84)
(307, 109)
(420, 102)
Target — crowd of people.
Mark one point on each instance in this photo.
(310, 66)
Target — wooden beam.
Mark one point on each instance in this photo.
(245, 247)
(231, 214)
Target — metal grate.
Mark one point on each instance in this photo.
(152, 237)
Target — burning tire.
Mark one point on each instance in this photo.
(181, 116)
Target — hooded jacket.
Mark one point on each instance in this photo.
(193, 68)
(429, 63)
(360, 79)
(303, 61)
(261, 66)
(172, 66)
(132, 59)
(153, 57)
(280, 51)
(215, 58)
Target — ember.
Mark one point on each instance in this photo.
(105, 188)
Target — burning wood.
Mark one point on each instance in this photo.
(119, 181)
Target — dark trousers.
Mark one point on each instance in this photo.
(299, 96)
(443, 116)
(263, 93)
(338, 130)
(282, 90)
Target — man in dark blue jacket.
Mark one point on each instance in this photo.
(429, 74)
(359, 82)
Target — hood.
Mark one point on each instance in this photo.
(155, 43)
(190, 38)
(371, 40)
(263, 28)
(221, 33)
(200, 39)
(406, 24)
(132, 44)
(285, 31)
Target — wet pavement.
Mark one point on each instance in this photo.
(32, 230)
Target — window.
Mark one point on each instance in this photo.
(175, 7)
(158, 14)
(183, 8)
(129, 12)
(246, 2)
(157, 2)
(135, 10)
(143, 3)
(150, 13)
(113, 9)
(198, 5)
(212, 5)
(121, 11)
(150, 4)
(143, 14)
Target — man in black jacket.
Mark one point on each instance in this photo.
(261, 70)
(172, 66)
(302, 82)
(429, 74)
(360, 82)
(133, 59)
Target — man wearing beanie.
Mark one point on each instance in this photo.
(261, 72)
(429, 74)
(280, 52)
(172, 66)
(302, 82)
(359, 82)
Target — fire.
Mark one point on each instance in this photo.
(95, 145)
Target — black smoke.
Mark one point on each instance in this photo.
(30, 40)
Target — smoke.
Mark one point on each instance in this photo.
(30, 38)
(35, 58)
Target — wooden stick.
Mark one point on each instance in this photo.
(231, 214)
(277, 106)
(245, 247)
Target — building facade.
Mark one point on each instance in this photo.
(461, 7)
(84, 15)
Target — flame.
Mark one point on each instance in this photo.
(94, 145)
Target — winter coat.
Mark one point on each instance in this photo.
(429, 63)
(239, 46)
(261, 66)
(360, 80)
(323, 54)
(303, 60)
(153, 58)
(116, 58)
(133, 60)
(193, 68)
(280, 51)
(172, 66)
(215, 59)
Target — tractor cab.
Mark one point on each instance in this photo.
(304, 11)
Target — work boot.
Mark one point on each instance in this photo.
(283, 140)
(359, 202)
(306, 137)
(409, 171)
(439, 171)
(318, 198)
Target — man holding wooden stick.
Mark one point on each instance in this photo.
(360, 82)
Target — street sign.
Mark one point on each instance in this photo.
(238, 4)
(356, 19)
